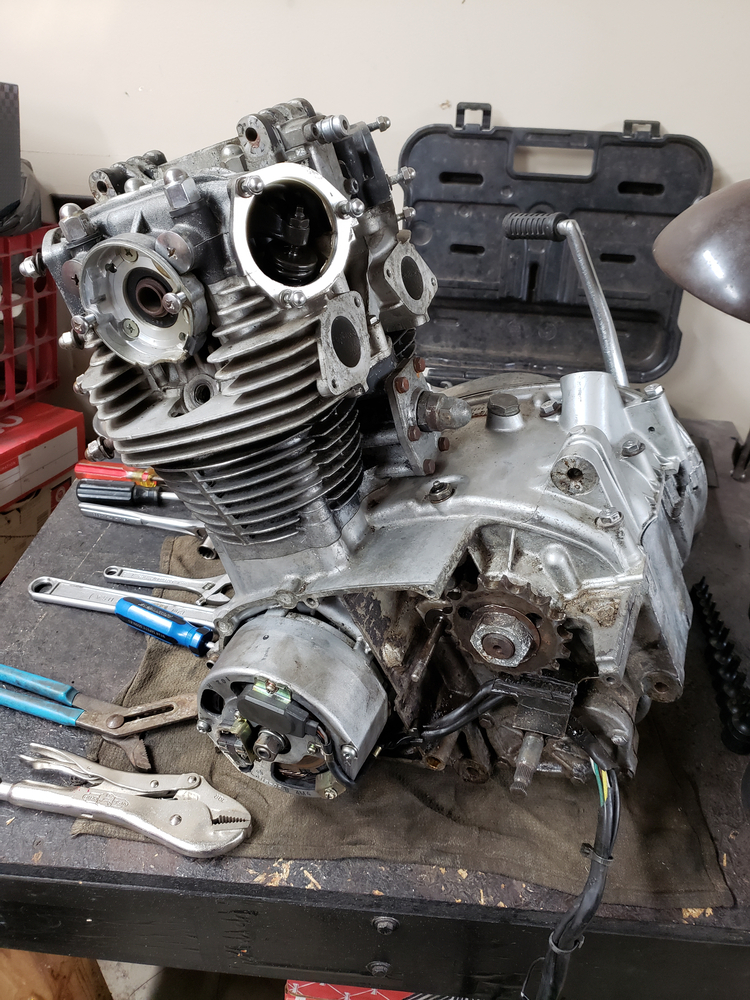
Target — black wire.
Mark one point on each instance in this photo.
(482, 701)
(567, 935)
(334, 766)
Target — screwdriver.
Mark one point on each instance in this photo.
(165, 625)
(121, 493)
(115, 471)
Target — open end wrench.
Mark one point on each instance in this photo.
(174, 525)
(210, 590)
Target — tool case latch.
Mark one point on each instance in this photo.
(640, 128)
(465, 106)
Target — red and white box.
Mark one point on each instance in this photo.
(37, 443)
(39, 447)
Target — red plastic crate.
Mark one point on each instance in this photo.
(28, 361)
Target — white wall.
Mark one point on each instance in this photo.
(101, 80)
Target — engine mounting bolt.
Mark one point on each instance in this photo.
(381, 124)
(550, 407)
(330, 793)
(32, 267)
(403, 176)
(609, 517)
(250, 186)
(419, 364)
(414, 433)
(231, 158)
(293, 299)
(68, 210)
(428, 467)
(407, 214)
(401, 384)
(438, 412)
(503, 404)
(351, 209)
(349, 752)
(385, 925)
(68, 341)
(378, 968)
(653, 391)
(75, 225)
(632, 447)
(498, 646)
(443, 444)
(130, 329)
(203, 727)
(101, 449)
(440, 491)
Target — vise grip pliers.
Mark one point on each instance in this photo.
(181, 811)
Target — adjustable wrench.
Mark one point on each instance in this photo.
(52, 590)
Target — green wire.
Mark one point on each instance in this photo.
(599, 784)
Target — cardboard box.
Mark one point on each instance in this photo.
(38, 443)
(39, 447)
(20, 522)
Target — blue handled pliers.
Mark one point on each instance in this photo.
(60, 702)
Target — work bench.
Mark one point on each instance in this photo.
(458, 931)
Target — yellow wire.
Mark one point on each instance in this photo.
(605, 784)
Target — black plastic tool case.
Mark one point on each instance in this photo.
(505, 304)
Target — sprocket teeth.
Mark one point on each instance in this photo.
(523, 599)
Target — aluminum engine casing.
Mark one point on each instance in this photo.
(392, 545)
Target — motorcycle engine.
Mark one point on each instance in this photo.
(466, 574)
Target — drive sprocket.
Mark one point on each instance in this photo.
(534, 612)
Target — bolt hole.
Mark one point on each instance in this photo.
(651, 430)
(251, 134)
(201, 393)
(575, 474)
(661, 687)
(101, 187)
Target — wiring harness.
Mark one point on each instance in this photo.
(567, 936)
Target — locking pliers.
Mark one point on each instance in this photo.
(181, 811)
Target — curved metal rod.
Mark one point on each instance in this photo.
(608, 341)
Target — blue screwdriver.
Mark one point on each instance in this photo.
(165, 625)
